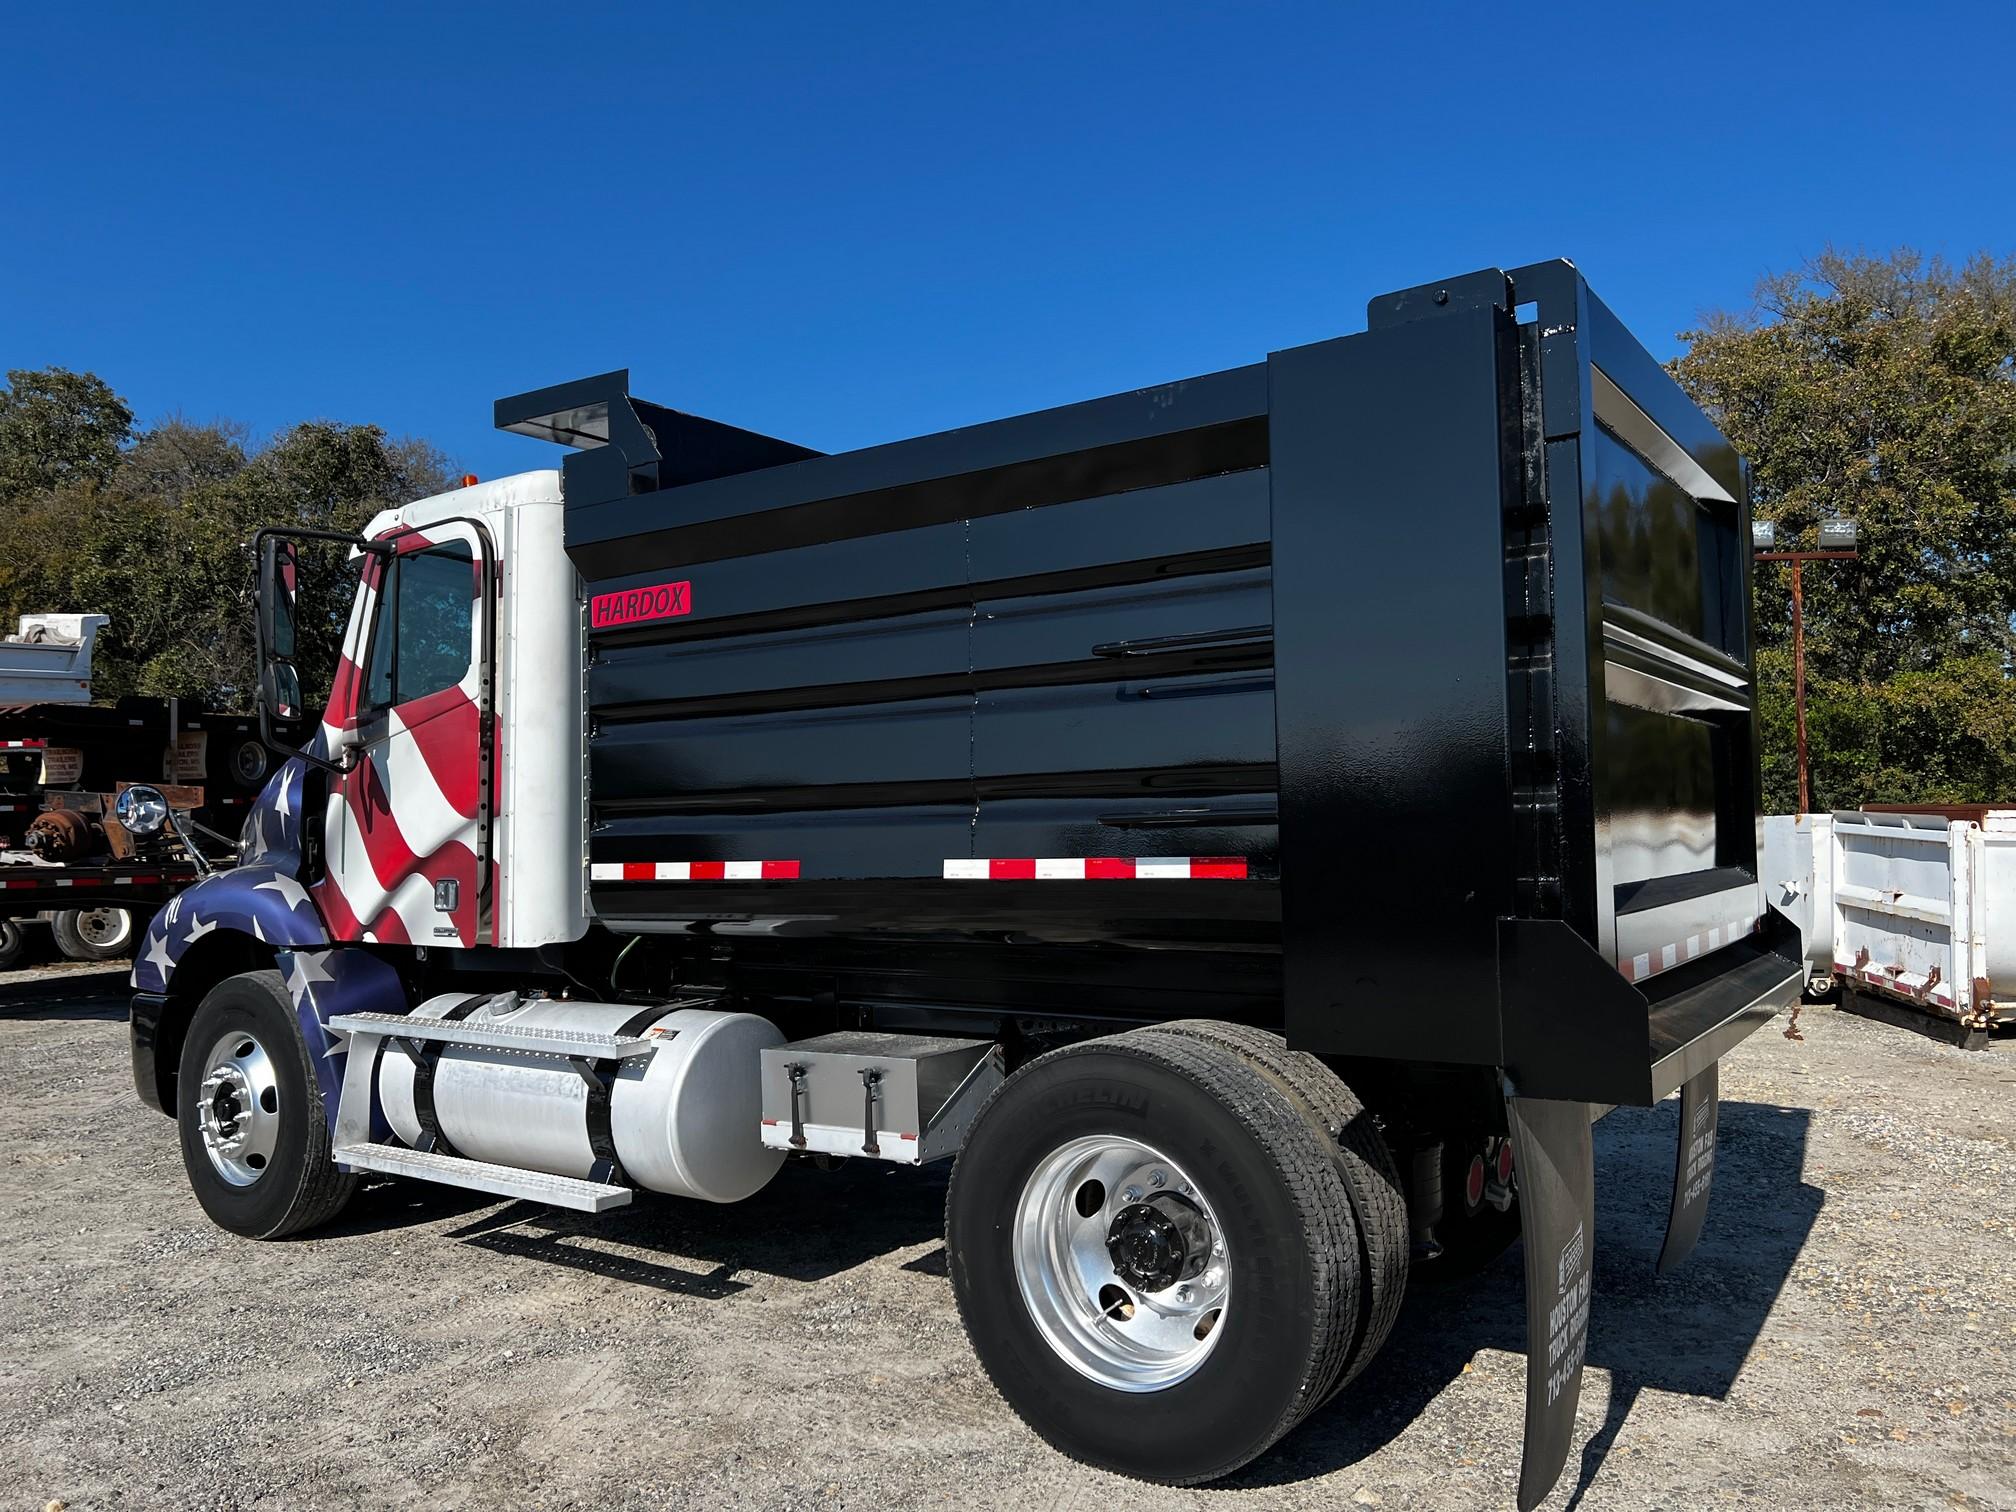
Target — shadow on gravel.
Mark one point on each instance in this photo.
(806, 1225)
(85, 994)
(383, 1206)
(1688, 1333)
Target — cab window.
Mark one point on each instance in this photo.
(424, 635)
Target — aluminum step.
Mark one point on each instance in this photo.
(488, 1036)
(481, 1176)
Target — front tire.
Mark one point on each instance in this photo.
(255, 1137)
(94, 934)
(1070, 1262)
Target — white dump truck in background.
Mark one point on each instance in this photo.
(1912, 912)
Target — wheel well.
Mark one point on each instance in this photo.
(209, 961)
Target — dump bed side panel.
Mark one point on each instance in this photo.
(899, 679)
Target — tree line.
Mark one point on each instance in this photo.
(152, 526)
(1879, 389)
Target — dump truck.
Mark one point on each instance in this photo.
(65, 859)
(1251, 826)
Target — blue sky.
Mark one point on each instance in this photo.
(844, 224)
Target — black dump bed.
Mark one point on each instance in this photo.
(1402, 679)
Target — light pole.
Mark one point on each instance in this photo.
(1837, 543)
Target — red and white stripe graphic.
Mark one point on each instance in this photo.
(1097, 869)
(1649, 963)
(23, 745)
(693, 871)
(404, 819)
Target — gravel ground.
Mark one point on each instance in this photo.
(1846, 1334)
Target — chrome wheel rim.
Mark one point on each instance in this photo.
(104, 928)
(1122, 1263)
(238, 1108)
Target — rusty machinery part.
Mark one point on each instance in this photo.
(64, 835)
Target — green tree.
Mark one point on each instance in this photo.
(58, 427)
(159, 541)
(1882, 389)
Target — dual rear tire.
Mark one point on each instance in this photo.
(1170, 1246)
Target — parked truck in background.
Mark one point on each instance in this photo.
(1254, 824)
(65, 859)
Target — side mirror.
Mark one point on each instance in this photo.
(279, 594)
(281, 585)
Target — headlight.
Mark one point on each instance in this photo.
(141, 810)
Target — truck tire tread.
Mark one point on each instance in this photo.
(1371, 1176)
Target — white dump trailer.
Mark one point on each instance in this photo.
(1917, 909)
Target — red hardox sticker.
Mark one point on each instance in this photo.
(634, 606)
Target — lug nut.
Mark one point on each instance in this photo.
(1132, 1194)
(1158, 1178)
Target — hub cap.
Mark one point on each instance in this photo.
(1121, 1263)
(104, 928)
(238, 1108)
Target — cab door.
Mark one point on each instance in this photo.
(406, 826)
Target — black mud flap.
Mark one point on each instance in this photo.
(1694, 1170)
(1557, 1219)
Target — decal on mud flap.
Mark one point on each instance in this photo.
(1555, 1159)
(1694, 1170)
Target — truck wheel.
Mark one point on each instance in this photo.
(255, 1140)
(13, 944)
(1371, 1177)
(1153, 1255)
(93, 934)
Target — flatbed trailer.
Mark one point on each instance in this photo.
(29, 887)
(1253, 825)
(63, 755)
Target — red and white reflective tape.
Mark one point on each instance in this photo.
(1907, 983)
(693, 871)
(23, 745)
(1098, 869)
(1649, 963)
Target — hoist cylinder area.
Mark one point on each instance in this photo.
(684, 1119)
